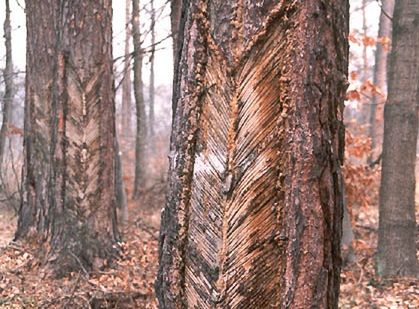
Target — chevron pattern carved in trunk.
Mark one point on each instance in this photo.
(254, 193)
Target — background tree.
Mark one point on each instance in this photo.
(8, 81)
(254, 183)
(175, 14)
(380, 68)
(35, 213)
(126, 126)
(397, 224)
(141, 133)
(69, 178)
(151, 86)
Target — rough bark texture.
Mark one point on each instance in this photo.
(126, 125)
(69, 178)
(141, 133)
(35, 212)
(380, 68)
(397, 225)
(254, 207)
(8, 83)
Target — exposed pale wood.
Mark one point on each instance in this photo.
(254, 185)
(69, 177)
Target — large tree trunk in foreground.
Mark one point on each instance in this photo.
(397, 224)
(8, 84)
(69, 174)
(380, 69)
(254, 207)
(141, 133)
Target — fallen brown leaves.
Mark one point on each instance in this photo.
(360, 287)
(129, 283)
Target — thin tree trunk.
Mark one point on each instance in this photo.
(126, 84)
(8, 82)
(121, 196)
(380, 69)
(363, 116)
(70, 134)
(254, 184)
(141, 134)
(151, 88)
(397, 224)
(348, 256)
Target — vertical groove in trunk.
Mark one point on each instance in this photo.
(85, 216)
(380, 69)
(141, 133)
(69, 175)
(126, 84)
(254, 185)
(397, 224)
(7, 103)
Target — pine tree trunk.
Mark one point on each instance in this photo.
(70, 134)
(141, 134)
(35, 213)
(254, 184)
(380, 69)
(126, 84)
(397, 224)
(7, 103)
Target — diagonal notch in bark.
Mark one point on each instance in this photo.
(254, 180)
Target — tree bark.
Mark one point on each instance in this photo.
(121, 196)
(69, 179)
(380, 68)
(254, 184)
(126, 84)
(8, 83)
(151, 87)
(35, 211)
(363, 115)
(175, 15)
(347, 250)
(141, 134)
(397, 225)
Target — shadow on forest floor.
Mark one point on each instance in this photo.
(129, 283)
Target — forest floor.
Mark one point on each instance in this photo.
(130, 282)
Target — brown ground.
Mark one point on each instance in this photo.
(129, 283)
